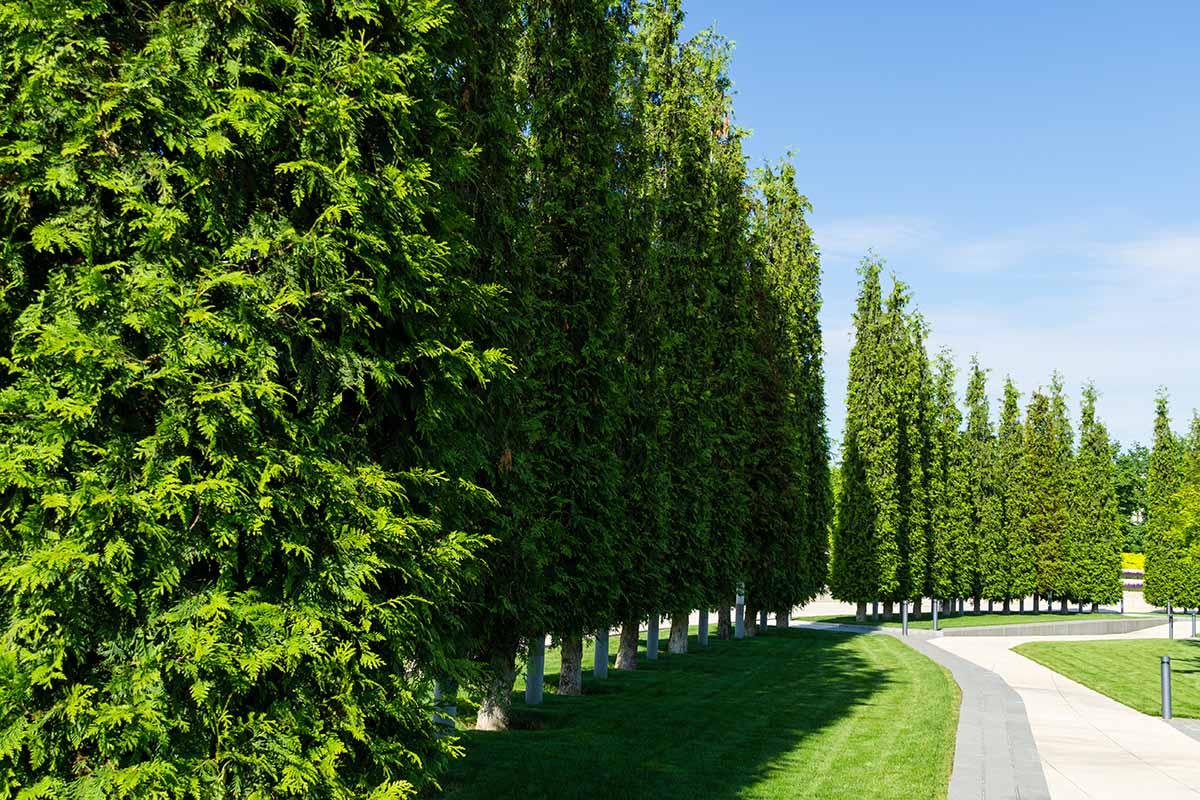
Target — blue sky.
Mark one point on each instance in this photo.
(1031, 172)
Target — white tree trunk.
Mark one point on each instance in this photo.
(627, 649)
(600, 661)
(678, 643)
(724, 623)
(496, 704)
(652, 639)
(535, 671)
(570, 676)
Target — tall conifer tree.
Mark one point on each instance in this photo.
(856, 544)
(1046, 492)
(949, 490)
(1164, 477)
(786, 562)
(1094, 551)
(1018, 576)
(987, 552)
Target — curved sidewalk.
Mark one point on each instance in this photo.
(995, 754)
(1091, 746)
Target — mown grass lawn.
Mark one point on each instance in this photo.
(1128, 670)
(962, 620)
(789, 714)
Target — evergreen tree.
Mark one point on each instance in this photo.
(857, 548)
(1046, 494)
(790, 483)
(949, 576)
(1181, 518)
(988, 564)
(232, 273)
(1094, 552)
(1163, 479)
(1018, 577)
(916, 420)
(1052, 560)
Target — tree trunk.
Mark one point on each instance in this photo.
(496, 703)
(751, 621)
(570, 676)
(678, 643)
(724, 623)
(916, 612)
(1062, 605)
(887, 610)
(977, 602)
(627, 649)
(1095, 608)
(860, 611)
(1036, 602)
(1007, 606)
(783, 619)
(652, 638)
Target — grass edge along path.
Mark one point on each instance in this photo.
(969, 620)
(791, 714)
(1127, 670)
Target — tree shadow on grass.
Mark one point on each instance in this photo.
(709, 724)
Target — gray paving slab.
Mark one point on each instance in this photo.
(995, 756)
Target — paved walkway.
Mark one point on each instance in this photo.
(1090, 746)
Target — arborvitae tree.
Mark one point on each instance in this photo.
(1046, 492)
(644, 536)
(1181, 518)
(988, 550)
(857, 549)
(1018, 576)
(916, 418)
(950, 520)
(1052, 560)
(572, 372)
(231, 271)
(1163, 480)
(698, 224)
(790, 486)
(1094, 551)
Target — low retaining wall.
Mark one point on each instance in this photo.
(1090, 627)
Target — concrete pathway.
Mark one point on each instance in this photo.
(1090, 746)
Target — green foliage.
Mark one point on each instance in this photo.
(856, 549)
(1132, 465)
(236, 321)
(1047, 487)
(879, 545)
(950, 545)
(1164, 478)
(988, 565)
(1094, 549)
(1018, 578)
(791, 493)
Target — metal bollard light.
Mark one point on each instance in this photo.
(904, 616)
(935, 604)
(1193, 623)
(1170, 621)
(1166, 687)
